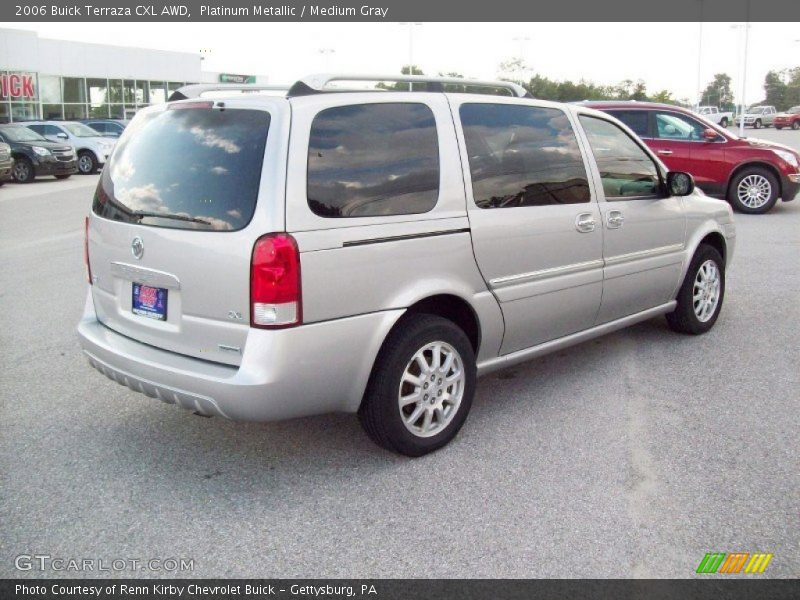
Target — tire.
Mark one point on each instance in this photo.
(87, 163)
(764, 197)
(381, 414)
(778, 127)
(757, 124)
(724, 122)
(796, 125)
(63, 176)
(687, 318)
(23, 171)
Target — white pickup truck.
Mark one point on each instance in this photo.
(759, 116)
(715, 115)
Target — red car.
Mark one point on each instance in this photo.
(751, 174)
(788, 118)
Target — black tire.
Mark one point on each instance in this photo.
(739, 205)
(757, 124)
(23, 171)
(724, 122)
(87, 162)
(380, 412)
(778, 127)
(796, 125)
(684, 319)
(63, 176)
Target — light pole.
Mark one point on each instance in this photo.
(742, 102)
(326, 53)
(700, 57)
(411, 51)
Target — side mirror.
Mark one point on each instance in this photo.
(62, 136)
(679, 183)
(710, 135)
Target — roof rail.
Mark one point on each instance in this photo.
(196, 90)
(317, 84)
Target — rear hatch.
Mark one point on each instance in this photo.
(169, 243)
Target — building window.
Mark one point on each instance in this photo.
(52, 112)
(4, 112)
(97, 92)
(129, 92)
(116, 111)
(73, 112)
(74, 89)
(158, 93)
(50, 89)
(24, 111)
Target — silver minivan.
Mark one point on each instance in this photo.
(263, 257)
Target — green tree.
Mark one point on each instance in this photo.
(664, 96)
(718, 92)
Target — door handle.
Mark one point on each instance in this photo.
(615, 219)
(664, 152)
(584, 222)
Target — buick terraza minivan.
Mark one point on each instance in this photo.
(262, 257)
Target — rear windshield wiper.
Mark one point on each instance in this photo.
(143, 213)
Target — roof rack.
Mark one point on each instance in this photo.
(196, 90)
(317, 84)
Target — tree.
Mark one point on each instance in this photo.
(775, 89)
(664, 96)
(718, 92)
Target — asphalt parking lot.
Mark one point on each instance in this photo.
(631, 455)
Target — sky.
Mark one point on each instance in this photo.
(664, 55)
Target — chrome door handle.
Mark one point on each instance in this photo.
(584, 222)
(615, 219)
(665, 152)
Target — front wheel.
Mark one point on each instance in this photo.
(757, 124)
(23, 171)
(63, 176)
(754, 191)
(796, 125)
(701, 294)
(778, 127)
(724, 122)
(421, 387)
(87, 163)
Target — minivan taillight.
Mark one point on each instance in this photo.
(86, 249)
(275, 299)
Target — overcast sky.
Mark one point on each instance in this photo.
(664, 55)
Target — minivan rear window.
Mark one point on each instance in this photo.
(186, 168)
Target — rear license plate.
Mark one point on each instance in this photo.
(150, 302)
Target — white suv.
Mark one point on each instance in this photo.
(92, 148)
(260, 257)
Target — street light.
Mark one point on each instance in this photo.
(411, 51)
(326, 53)
(522, 39)
(742, 104)
(700, 57)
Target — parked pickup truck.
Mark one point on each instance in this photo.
(758, 116)
(715, 115)
(788, 118)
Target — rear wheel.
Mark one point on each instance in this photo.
(63, 176)
(421, 387)
(753, 191)
(796, 125)
(778, 127)
(23, 170)
(701, 294)
(87, 163)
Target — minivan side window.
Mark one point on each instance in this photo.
(372, 160)
(625, 169)
(522, 156)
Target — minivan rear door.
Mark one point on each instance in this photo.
(174, 219)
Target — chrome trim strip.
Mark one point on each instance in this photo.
(409, 236)
(631, 256)
(146, 276)
(545, 273)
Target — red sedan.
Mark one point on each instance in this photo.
(751, 174)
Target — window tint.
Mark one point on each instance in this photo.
(635, 119)
(370, 160)
(189, 168)
(522, 156)
(674, 126)
(625, 169)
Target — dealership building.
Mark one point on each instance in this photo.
(54, 79)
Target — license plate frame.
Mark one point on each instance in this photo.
(149, 302)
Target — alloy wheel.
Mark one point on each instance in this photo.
(705, 293)
(754, 191)
(85, 163)
(431, 389)
(22, 171)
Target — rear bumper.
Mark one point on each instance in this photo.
(312, 369)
